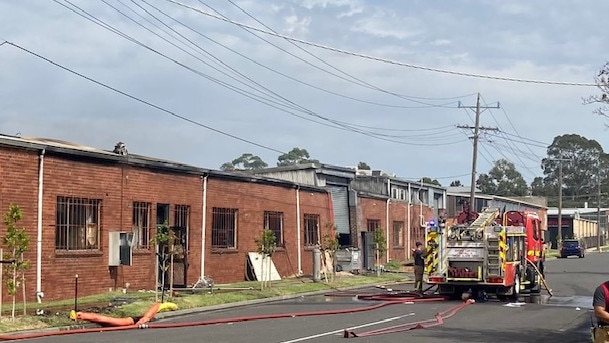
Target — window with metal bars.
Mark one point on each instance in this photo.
(141, 224)
(224, 228)
(274, 221)
(311, 229)
(77, 223)
(398, 233)
(181, 215)
(373, 224)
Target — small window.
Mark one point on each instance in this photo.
(141, 224)
(274, 221)
(224, 228)
(311, 229)
(398, 234)
(536, 230)
(77, 223)
(373, 224)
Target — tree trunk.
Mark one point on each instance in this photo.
(262, 273)
(23, 293)
(171, 273)
(14, 292)
(268, 262)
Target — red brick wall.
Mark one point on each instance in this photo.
(375, 208)
(19, 186)
(252, 199)
(117, 186)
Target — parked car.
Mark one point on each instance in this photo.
(572, 247)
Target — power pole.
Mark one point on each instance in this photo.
(598, 206)
(560, 161)
(477, 128)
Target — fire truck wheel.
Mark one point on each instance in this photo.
(516, 287)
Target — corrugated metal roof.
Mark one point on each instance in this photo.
(68, 148)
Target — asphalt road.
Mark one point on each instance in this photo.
(562, 318)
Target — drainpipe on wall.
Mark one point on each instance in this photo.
(298, 242)
(203, 226)
(387, 218)
(39, 293)
(408, 238)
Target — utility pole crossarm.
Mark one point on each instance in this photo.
(477, 128)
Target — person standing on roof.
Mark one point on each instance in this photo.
(600, 303)
(419, 266)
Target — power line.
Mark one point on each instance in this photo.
(359, 82)
(338, 124)
(145, 102)
(384, 60)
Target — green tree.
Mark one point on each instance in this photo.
(295, 156)
(246, 161)
(430, 181)
(503, 179)
(165, 240)
(266, 244)
(456, 183)
(17, 241)
(539, 188)
(329, 246)
(380, 247)
(363, 166)
(584, 165)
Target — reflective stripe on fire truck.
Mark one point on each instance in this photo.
(502, 249)
(431, 258)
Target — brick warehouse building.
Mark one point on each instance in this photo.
(81, 204)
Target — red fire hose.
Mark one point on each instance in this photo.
(394, 301)
(438, 320)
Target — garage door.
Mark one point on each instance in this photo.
(340, 202)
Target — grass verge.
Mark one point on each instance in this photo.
(118, 304)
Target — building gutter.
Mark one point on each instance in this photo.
(203, 226)
(39, 293)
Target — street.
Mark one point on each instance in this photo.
(562, 318)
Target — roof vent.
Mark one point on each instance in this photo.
(120, 148)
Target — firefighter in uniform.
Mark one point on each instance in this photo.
(419, 267)
(601, 312)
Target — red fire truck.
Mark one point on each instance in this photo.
(497, 252)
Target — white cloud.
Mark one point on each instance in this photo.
(543, 40)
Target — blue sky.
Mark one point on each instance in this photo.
(380, 81)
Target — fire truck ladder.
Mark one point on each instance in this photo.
(485, 218)
(492, 257)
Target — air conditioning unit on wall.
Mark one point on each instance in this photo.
(119, 248)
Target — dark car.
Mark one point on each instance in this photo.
(572, 247)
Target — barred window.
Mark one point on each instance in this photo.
(77, 223)
(181, 216)
(274, 221)
(141, 224)
(373, 224)
(311, 229)
(224, 228)
(398, 233)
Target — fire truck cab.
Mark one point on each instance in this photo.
(497, 252)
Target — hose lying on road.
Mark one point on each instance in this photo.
(394, 301)
(438, 320)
